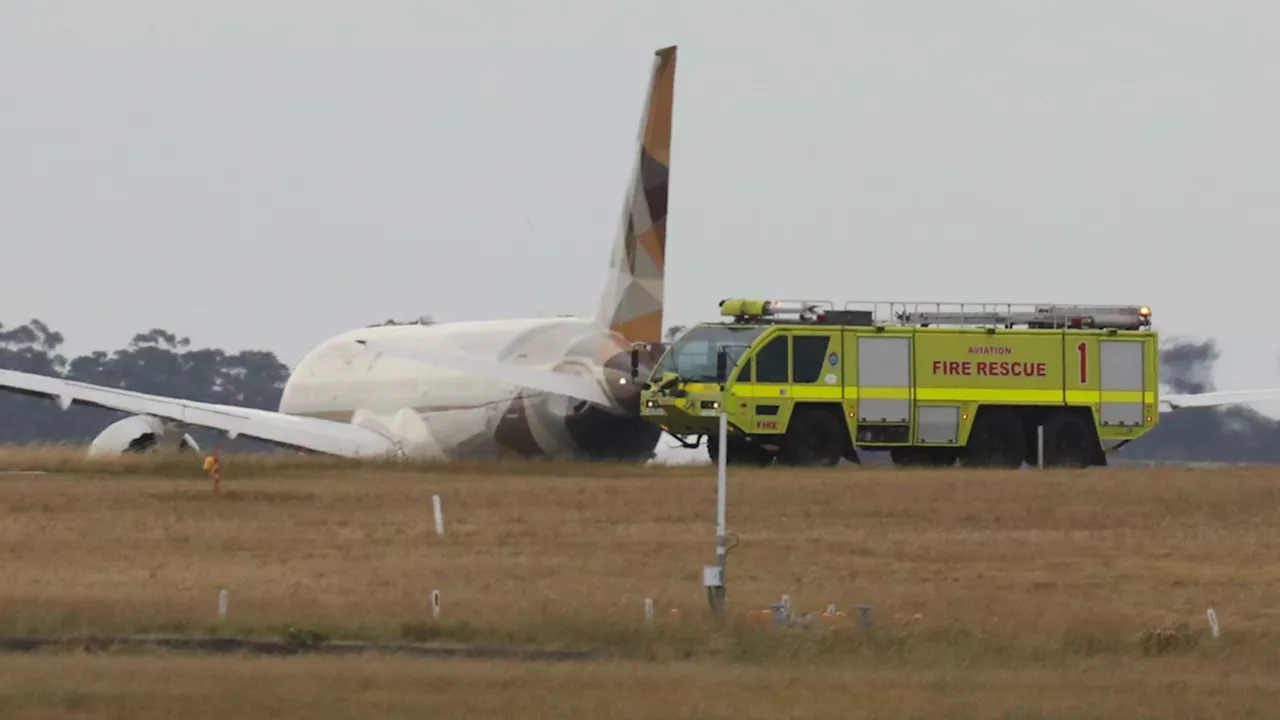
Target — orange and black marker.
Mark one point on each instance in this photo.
(213, 465)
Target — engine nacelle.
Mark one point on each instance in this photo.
(141, 433)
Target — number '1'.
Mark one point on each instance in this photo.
(1083, 348)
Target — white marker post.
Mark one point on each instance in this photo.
(713, 575)
(1213, 622)
(648, 609)
(224, 598)
(1040, 446)
(435, 502)
(435, 604)
(721, 488)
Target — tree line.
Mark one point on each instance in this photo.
(157, 362)
(162, 363)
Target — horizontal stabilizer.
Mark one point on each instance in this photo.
(292, 431)
(575, 386)
(1169, 403)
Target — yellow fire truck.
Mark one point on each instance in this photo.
(803, 383)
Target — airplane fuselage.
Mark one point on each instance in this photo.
(443, 413)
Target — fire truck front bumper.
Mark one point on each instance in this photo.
(696, 413)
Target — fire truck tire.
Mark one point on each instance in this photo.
(1069, 441)
(814, 437)
(739, 452)
(998, 439)
(923, 456)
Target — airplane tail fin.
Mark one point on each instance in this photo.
(633, 294)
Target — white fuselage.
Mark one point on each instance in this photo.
(440, 412)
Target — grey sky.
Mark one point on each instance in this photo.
(263, 175)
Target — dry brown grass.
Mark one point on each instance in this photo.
(196, 688)
(73, 459)
(1031, 588)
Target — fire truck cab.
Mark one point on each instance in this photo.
(935, 384)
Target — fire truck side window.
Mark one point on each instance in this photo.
(771, 361)
(808, 352)
(744, 374)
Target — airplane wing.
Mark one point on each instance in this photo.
(549, 381)
(324, 436)
(1169, 403)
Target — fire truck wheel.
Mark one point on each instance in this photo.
(739, 452)
(1069, 441)
(814, 437)
(907, 457)
(997, 440)
(923, 456)
(754, 455)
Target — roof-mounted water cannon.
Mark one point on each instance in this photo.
(742, 310)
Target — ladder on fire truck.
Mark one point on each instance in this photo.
(1040, 316)
(994, 315)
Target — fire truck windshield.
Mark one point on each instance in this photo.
(694, 357)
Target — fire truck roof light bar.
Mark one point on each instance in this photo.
(1044, 315)
(1035, 315)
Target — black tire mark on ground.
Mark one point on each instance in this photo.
(272, 646)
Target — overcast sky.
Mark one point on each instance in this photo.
(266, 174)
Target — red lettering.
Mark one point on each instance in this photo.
(1083, 349)
(992, 368)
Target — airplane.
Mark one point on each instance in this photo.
(562, 387)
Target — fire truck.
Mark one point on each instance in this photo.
(934, 384)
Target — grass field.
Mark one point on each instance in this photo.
(994, 594)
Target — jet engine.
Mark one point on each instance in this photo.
(599, 433)
(141, 433)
